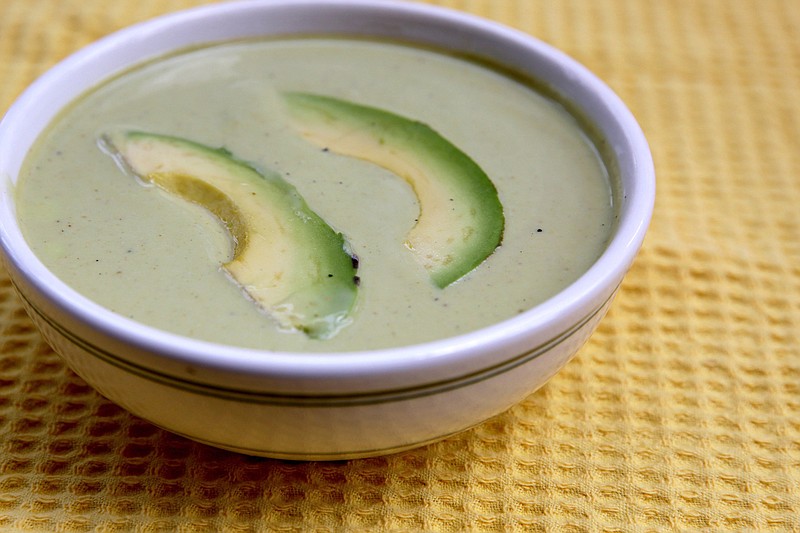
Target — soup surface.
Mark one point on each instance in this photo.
(156, 258)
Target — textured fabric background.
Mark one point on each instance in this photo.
(682, 412)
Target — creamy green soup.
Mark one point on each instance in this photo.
(155, 258)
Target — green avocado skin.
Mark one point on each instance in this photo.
(461, 218)
(316, 285)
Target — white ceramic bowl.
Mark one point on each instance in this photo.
(322, 406)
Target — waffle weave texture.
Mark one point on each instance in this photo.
(682, 413)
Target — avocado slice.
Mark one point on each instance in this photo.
(286, 258)
(461, 218)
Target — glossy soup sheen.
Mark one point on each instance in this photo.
(156, 258)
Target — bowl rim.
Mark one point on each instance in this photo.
(427, 361)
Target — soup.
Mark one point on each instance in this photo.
(147, 253)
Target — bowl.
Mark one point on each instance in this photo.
(322, 406)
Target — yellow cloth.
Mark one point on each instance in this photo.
(681, 413)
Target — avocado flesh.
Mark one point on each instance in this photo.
(461, 218)
(285, 257)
